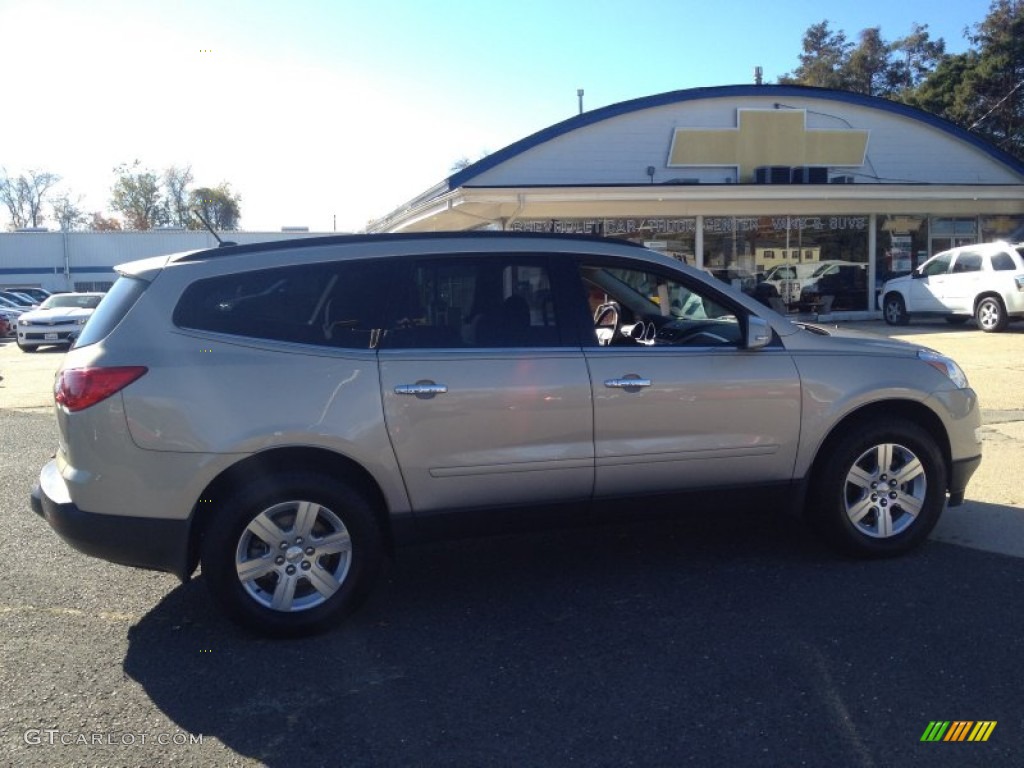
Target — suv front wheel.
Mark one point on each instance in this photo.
(895, 310)
(880, 490)
(291, 554)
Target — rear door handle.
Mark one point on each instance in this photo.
(421, 388)
(627, 383)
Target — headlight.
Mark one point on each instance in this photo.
(81, 321)
(22, 322)
(946, 366)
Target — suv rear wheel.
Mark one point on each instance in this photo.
(881, 489)
(291, 554)
(990, 315)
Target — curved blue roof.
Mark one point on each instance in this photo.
(461, 178)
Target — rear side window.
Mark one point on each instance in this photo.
(112, 308)
(495, 301)
(967, 262)
(1003, 262)
(337, 304)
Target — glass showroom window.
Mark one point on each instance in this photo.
(779, 255)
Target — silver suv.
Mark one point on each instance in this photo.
(284, 413)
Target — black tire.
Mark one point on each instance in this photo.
(26, 349)
(956, 319)
(860, 518)
(894, 310)
(990, 315)
(275, 506)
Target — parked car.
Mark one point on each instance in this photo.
(284, 413)
(5, 325)
(840, 286)
(38, 295)
(57, 321)
(23, 301)
(984, 281)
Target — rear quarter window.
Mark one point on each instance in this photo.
(111, 310)
(334, 304)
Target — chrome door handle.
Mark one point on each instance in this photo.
(421, 388)
(627, 383)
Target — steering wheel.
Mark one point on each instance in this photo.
(607, 323)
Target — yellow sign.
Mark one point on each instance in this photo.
(766, 137)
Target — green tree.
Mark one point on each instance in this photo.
(824, 58)
(137, 196)
(869, 68)
(218, 205)
(915, 58)
(983, 89)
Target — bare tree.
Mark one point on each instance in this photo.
(67, 213)
(24, 196)
(176, 184)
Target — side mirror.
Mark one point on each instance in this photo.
(917, 274)
(759, 333)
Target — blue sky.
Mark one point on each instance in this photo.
(322, 111)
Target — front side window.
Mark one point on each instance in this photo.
(637, 307)
(337, 304)
(473, 302)
(937, 266)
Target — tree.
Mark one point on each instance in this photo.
(219, 205)
(67, 214)
(176, 184)
(136, 196)
(24, 196)
(823, 60)
(921, 55)
(101, 224)
(982, 90)
(868, 69)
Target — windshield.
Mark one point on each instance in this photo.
(76, 300)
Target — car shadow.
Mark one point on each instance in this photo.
(734, 635)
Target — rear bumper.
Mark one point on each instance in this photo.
(961, 475)
(160, 545)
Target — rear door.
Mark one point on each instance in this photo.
(486, 395)
(964, 281)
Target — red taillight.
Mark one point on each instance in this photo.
(78, 388)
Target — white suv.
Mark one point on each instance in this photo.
(984, 281)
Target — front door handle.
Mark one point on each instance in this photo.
(421, 388)
(627, 383)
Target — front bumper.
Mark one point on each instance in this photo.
(142, 542)
(959, 477)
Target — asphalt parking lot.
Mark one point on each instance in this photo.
(733, 639)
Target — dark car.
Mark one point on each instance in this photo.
(841, 287)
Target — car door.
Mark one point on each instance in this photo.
(963, 282)
(487, 400)
(928, 284)
(679, 403)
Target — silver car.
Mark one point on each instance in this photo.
(285, 413)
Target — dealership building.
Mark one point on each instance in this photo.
(745, 179)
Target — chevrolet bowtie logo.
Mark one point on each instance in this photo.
(767, 137)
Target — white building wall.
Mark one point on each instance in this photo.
(619, 150)
(57, 260)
